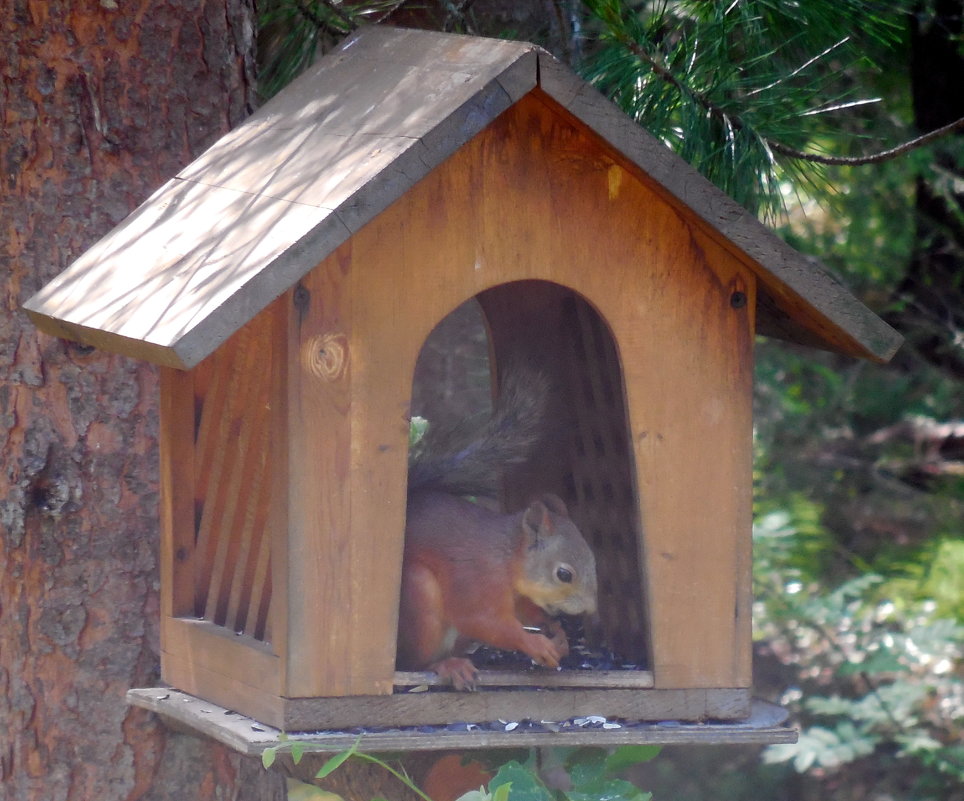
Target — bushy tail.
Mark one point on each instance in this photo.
(469, 458)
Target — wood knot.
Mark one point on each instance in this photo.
(325, 356)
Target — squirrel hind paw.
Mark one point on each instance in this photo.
(459, 670)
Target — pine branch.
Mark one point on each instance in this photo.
(872, 158)
(735, 122)
(392, 8)
(323, 25)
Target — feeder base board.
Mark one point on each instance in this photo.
(764, 725)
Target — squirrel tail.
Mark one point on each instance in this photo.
(469, 458)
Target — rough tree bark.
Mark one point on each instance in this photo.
(99, 102)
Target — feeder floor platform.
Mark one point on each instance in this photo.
(766, 725)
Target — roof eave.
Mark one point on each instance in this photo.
(801, 302)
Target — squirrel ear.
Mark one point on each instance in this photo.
(555, 504)
(536, 522)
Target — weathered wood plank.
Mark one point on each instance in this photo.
(638, 679)
(177, 453)
(431, 708)
(166, 282)
(765, 725)
(209, 661)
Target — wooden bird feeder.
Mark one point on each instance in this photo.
(286, 281)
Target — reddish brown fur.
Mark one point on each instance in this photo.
(464, 575)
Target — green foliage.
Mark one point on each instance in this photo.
(593, 773)
(593, 776)
(735, 88)
(877, 677)
(291, 34)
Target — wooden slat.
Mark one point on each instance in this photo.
(330, 636)
(253, 585)
(234, 476)
(176, 437)
(765, 725)
(214, 430)
(431, 708)
(206, 660)
(253, 518)
(272, 606)
(256, 461)
(638, 679)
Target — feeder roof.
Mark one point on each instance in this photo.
(266, 203)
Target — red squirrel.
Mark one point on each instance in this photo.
(473, 575)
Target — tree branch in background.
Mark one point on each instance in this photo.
(323, 25)
(735, 122)
(872, 158)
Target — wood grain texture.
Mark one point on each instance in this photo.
(424, 709)
(177, 492)
(765, 725)
(805, 304)
(342, 571)
(236, 402)
(261, 207)
(638, 679)
(206, 660)
(663, 287)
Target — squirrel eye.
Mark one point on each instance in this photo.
(564, 574)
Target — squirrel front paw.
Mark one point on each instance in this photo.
(557, 636)
(544, 651)
(459, 670)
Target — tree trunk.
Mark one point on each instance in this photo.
(100, 102)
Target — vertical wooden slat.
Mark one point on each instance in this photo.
(214, 432)
(177, 551)
(243, 468)
(320, 627)
(251, 587)
(271, 608)
(604, 478)
(238, 591)
(234, 474)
